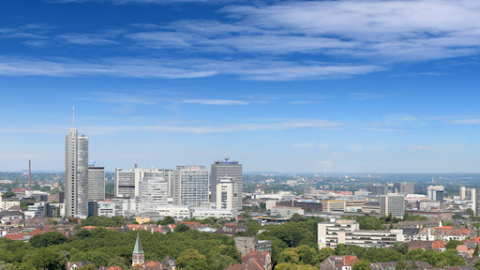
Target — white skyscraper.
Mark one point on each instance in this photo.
(127, 183)
(76, 174)
(190, 186)
(153, 193)
(225, 199)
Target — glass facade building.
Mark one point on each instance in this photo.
(76, 175)
(190, 186)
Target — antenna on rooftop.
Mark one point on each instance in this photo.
(73, 125)
(226, 159)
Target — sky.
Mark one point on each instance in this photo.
(343, 86)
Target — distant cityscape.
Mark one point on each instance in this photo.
(146, 196)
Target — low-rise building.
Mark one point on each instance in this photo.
(203, 213)
(230, 229)
(270, 203)
(371, 207)
(307, 206)
(177, 212)
(334, 206)
(348, 232)
(286, 212)
(246, 244)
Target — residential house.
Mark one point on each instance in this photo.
(339, 262)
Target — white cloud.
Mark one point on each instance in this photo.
(121, 2)
(174, 69)
(198, 129)
(122, 98)
(422, 147)
(85, 39)
(471, 121)
(304, 145)
(395, 30)
(216, 102)
(399, 30)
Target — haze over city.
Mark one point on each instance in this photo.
(300, 86)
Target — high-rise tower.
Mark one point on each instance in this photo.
(96, 182)
(221, 169)
(190, 186)
(76, 174)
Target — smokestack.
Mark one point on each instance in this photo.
(29, 174)
(135, 165)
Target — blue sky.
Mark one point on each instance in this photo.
(305, 86)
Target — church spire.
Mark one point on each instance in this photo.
(138, 246)
(138, 258)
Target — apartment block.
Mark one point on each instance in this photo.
(348, 232)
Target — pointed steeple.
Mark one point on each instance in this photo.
(138, 246)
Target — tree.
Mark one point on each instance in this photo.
(475, 253)
(401, 265)
(470, 212)
(291, 266)
(477, 264)
(9, 194)
(452, 244)
(296, 218)
(324, 254)
(88, 267)
(230, 251)
(47, 239)
(191, 259)
(362, 265)
(47, 259)
(219, 262)
(166, 221)
(476, 225)
(289, 256)
(181, 228)
(99, 221)
(448, 223)
(401, 247)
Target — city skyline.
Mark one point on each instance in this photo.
(166, 83)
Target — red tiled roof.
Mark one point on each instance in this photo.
(350, 260)
(14, 236)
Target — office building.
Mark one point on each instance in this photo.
(124, 206)
(96, 182)
(76, 174)
(127, 183)
(203, 213)
(404, 188)
(225, 199)
(221, 169)
(475, 201)
(190, 186)
(334, 206)
(348, 232)
(377, 189)
(463, 193)
(177, 212)
(435, 193)
(106, 208)
(286, 212)
(153, 193)
(392, 204)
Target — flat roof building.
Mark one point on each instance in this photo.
(347, 232)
